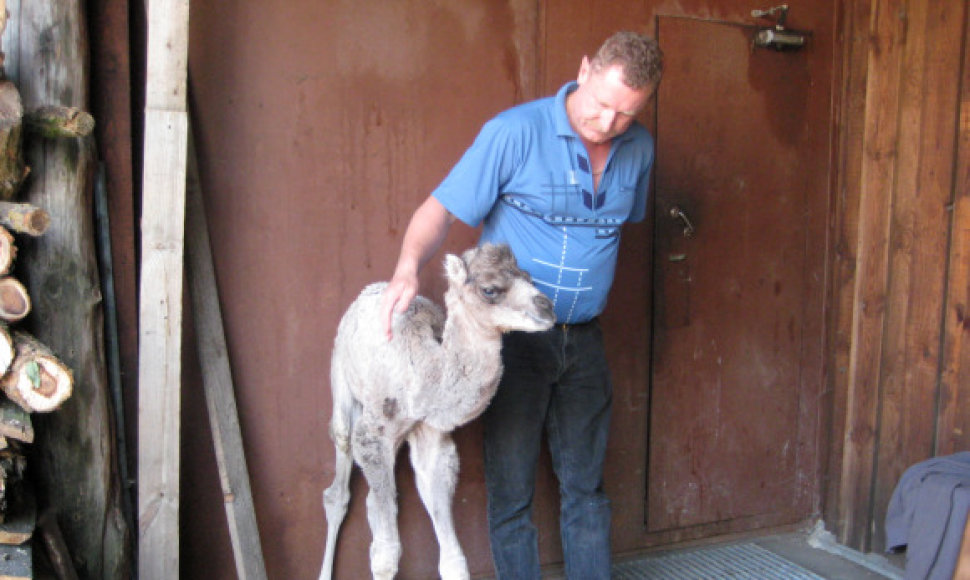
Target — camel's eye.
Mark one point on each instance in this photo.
(491, 293)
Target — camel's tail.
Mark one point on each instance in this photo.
(337, 497)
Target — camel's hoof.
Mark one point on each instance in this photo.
(454, 569)
(384, 558)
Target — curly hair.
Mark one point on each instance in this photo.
(638, 54)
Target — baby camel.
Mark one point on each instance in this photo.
(433, 376)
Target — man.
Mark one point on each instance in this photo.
(555, 179)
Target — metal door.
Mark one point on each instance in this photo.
(731, 418)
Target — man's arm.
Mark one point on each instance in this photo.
(425, 234)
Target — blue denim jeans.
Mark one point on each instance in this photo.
(558, 382)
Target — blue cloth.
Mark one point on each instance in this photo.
(527, 177)
(557, 381)
(927, 515)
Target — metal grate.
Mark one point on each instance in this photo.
(738, 561)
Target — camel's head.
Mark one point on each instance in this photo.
(488, 284)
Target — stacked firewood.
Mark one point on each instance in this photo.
(32, 378)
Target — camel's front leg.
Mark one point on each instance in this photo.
(435, 462)
(374, 452)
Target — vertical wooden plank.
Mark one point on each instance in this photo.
(163, 216)
(920, 231)
(870, 294)
(953, 426)
(854, 15)
(160, 353)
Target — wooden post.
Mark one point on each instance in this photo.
(160, 332)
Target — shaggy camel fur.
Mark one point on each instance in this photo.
(431, 377)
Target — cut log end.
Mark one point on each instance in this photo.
(37, 380)
(24, 218)
(7, 350)
(8, 251)
(44, 385)
(14, 300)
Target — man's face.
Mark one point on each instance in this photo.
(604, 106)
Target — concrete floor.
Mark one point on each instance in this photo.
(814, 550)
(832, 561)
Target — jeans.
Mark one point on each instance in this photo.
(557, 380)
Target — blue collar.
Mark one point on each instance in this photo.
(563, 128)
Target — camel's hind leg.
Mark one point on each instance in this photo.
(335, 501)
(435, 461)
(337, 497)
(374, 452)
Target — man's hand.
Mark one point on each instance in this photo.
(424, 236)
(397, 296)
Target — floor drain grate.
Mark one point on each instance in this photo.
(738, 561)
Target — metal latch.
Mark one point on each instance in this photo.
(777, 37)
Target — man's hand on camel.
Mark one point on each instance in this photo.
(397, 296)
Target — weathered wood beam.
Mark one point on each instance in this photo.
(871, 282)
(57, 551)
(919, 236)
(953, 428)
(217, 378)
(163, 226)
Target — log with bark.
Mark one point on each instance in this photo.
(15, 423)
(53, 122)
(13, 170)
(37, 380)
(24, 218)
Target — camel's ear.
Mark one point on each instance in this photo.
(455, 269)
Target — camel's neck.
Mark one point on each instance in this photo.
(474, 348)
(472, 368)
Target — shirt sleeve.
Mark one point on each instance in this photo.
(639, 211)
(473, 186)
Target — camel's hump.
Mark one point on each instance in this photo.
(422, 314)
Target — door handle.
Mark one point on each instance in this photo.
(677, 213)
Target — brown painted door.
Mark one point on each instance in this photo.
(729, 447)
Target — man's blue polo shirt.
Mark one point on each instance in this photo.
(527, 177)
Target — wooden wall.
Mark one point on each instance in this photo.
(896, 367)
(899, 285)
